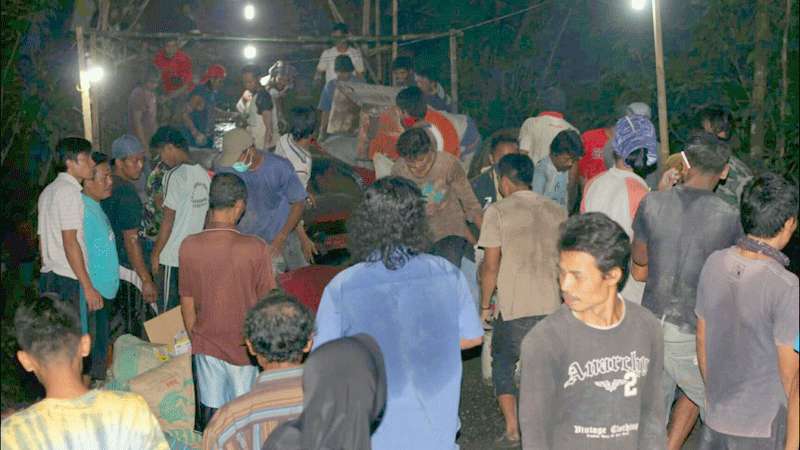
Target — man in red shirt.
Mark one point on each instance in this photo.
(412, 110)
(176, 71)
(593, 163)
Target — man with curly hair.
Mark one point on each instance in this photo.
(223, 273)
(278, 332)
(418, 308)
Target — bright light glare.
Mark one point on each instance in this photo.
(638, 4)
(249, 12)
(249, 52)
(94, 74)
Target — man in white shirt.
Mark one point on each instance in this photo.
(258, 109)
(538, 132)
(60, 227)
(341, 47)
(295, 146)
(186, 188)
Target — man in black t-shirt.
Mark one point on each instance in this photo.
(591, 371)
(674, 232)
(124, 211)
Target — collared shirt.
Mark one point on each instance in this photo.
(525, 226)
(226, 273)
(551, 183)
(60, 207)
(537, 133)
(245, 422)
(97, 420)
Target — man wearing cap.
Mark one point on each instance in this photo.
(124, 211)
(652, 177)
(275, 196)
(618, 191)
(198, 117)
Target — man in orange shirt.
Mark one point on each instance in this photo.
(411, 110)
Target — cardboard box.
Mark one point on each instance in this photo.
(168, 329)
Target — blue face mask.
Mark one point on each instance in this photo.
(241, 167)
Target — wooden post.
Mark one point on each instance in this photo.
(379, 56)
(454, 70)
(366, 16)
(663, 124)
(394, 29)
(86, 102)
(95, 99)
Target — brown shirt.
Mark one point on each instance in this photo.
(450, 199)
(526, 228)
(226, 273)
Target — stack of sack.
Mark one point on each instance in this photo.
(164, 380)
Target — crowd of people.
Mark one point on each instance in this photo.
(601, 281)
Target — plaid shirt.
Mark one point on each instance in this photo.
(246, 422)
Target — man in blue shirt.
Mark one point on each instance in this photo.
(275, 196)
(551, 176)
(419, 309)
(102, 261)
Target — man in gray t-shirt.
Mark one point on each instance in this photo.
(591, 371)
(747, 308)
(674, 231)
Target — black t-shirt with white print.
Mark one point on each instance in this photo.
(585, 387)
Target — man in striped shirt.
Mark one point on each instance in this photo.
(278, 333)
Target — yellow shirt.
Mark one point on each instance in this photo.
(97, 420)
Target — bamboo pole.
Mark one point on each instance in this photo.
(365, 17)
(394, 29)
(86, 102)
(94, 99)
(297, 40)
(377, 36)
(787, 21)
(663, 124)
(454, 70)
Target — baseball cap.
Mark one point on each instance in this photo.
(639, 109)
(234, 142)
(634, 132)
(125, 146)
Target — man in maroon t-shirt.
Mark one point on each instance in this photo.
(223, 274)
